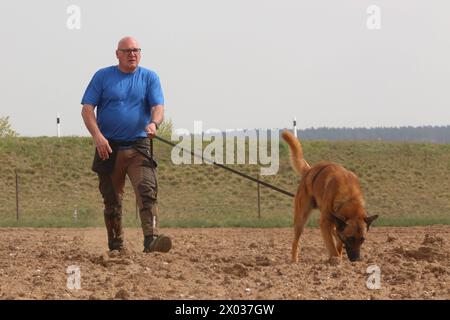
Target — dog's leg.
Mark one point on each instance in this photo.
(339, 246)
(338, 242)
(326, 228)
(303, 209)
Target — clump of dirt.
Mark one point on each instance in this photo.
(102, 260)
(425, 253)
(264, 261)
(109, 258)
(437, 269)
(122, 294)
(333, 261)
(430, 250)
(391, 238)
(432, 240)
(237, 269)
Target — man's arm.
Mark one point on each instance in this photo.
(101, 143)
(157, 118)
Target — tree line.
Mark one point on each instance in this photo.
(436, 134)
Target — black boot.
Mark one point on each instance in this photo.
(161, 243)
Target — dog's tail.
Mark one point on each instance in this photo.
(298, 163)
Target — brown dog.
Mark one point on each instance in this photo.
(336, 192)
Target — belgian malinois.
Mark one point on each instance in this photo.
(336, 192)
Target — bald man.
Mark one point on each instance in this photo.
(130, 107)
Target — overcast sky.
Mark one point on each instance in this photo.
(234, 63)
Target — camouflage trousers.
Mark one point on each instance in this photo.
(142, 174)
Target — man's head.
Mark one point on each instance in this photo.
(129, 54)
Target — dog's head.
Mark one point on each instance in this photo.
(352, 233)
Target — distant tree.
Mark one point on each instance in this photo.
(5, 128)
(165, 129)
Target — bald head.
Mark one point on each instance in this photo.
(127, 42)
(129, 54)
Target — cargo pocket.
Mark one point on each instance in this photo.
(104, 166)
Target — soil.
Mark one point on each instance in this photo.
(229, 263)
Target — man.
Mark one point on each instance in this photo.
(130, 107)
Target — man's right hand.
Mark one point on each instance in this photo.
(101, 143)
(103, 148)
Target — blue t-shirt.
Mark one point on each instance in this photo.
(123, 101)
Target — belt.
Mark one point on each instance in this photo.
(122, 143)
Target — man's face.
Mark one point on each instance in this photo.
(129, 54)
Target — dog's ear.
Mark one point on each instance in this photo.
(369, 220)
(340, 221)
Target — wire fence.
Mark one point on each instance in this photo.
(195, 199)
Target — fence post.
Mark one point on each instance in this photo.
(259, 199)
(17, 195)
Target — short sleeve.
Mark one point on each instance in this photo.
(154, 91)
(93, 92)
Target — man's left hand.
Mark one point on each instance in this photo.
(151, 130)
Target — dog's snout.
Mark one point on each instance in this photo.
(353, 256)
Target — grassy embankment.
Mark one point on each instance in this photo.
(405, 183)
